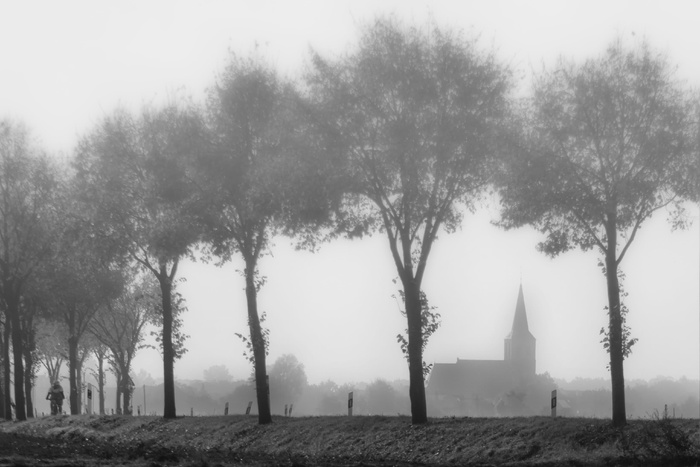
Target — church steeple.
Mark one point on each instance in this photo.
(520, 327)
(519, 345)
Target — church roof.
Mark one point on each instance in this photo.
(482, 378)
(470, 378)
(520, 327)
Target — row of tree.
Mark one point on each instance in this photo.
(64, 296)
(399, 136)
(289, 388)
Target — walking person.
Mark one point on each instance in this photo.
(56, 397)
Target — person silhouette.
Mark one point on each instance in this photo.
(56, 397)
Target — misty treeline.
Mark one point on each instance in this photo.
(381, 397)
(290, 389)
(401, 135)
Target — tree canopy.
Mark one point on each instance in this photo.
(605, 145)
(29, 186)
(400, 136)
(133, 174)
(413, 112)
(258, 177)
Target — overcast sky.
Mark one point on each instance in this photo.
(65, 64)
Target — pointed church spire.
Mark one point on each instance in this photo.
(520, 318)
(520, 327)
(520, 345)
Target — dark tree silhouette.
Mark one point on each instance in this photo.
(606, 147)
(51, 340)
(29, 312)
(413, 111)
(132, 173)
(100, 351)
(120, 326)
(80, 284)
(257, 179)
(4, 355)
(28, 189)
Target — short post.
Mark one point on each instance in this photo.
(350, 404)
(554, 403)
(247, 410)
(226, 409)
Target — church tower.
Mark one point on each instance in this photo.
(520, 343)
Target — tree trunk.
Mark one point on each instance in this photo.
(118, 401)
(55, 371)
(29, 381)
(2, 383)
(101, 383)
(2, 396)
(2, 376)
(7, 401)
(168, 351)
(619, 415)
(256, 336)
(72, 373)
(79, 386)
(29, 346)
(419, 414)
(126, 390)
(12, 301)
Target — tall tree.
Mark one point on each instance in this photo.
(44, 340)
(251, 182)
(29, 312)
(606, 147)
(81, 282)
(51, 342)
(120, 326)
(28, 188)
(86, 348)
(414, 110)
(132, 172)
(100, 351)
(4, 377)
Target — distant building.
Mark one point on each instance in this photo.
(477, 387)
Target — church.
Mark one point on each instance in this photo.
(478, 387)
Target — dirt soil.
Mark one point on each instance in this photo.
(344, 441)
